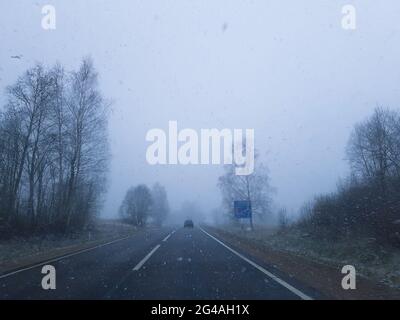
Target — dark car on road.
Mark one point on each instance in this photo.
(188, 224)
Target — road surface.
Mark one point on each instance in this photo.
(163, 263)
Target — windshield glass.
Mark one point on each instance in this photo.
(199, 150)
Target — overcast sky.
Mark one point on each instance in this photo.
(286, 69)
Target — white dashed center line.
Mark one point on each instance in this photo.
(167, 237)
(147, 257)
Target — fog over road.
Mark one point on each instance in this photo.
(164, 263)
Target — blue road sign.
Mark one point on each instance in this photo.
(242, 209)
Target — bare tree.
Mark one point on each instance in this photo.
(373, 151)
(283, 219)
(53, 149)
(374, 147)
(136, 205)
(254, 188)
(28, 102)
(160, 207)
(367, 202)
(87, 151)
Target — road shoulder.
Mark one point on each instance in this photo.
(24, 253)
(322, 278)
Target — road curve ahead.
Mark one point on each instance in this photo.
(159, 264)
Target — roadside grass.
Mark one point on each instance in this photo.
(371, 260)
(20, 251)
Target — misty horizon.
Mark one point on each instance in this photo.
(301, 86)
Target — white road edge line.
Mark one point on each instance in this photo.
(60, 258)
(147, 257)
(269, 274)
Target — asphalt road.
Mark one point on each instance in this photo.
(162, 263)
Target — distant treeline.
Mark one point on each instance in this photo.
(142, 205)
(53, 150)
(367, 203)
